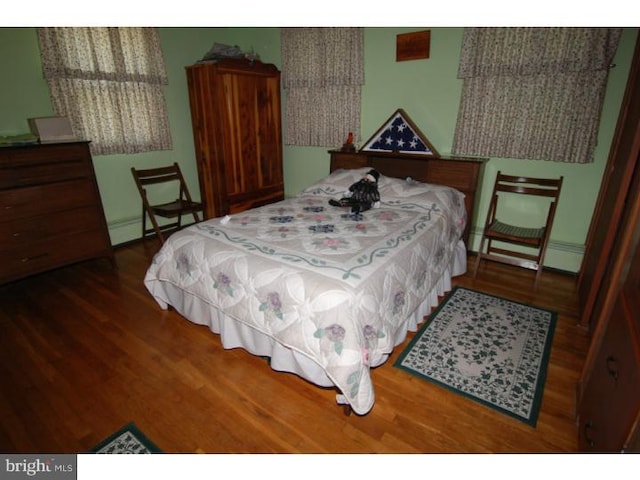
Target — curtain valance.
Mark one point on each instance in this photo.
(318, 57)
(102, 53)
(532, 51)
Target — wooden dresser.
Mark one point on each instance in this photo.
(236, 119)
(608, 393)
(609, 388)
(51, 211)
(462, 173)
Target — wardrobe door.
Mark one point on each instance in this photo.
(250, 116)
(207, 133)
(613, 195)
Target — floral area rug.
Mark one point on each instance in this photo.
(128, 440)
(487, 348)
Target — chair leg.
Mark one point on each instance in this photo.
(158, 231)
(479, 256)
(156, 228)
(543, 252)
(477, 265)
(538, 274)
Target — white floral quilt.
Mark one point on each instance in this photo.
(331, 285)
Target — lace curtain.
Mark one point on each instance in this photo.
(109, 82)
(533, 93)
(323, 74)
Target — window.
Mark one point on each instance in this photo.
(533, 93)
(109, 82)
(323, 74)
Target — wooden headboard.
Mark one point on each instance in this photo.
(463, 174)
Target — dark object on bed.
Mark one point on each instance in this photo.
(363, 194)
(183, 205)
(505, 187)
(461, 173)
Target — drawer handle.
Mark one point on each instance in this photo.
(612, 367)
(587, 430)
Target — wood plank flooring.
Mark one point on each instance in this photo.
(85, 350)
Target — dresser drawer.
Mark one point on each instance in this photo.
(22, 231)
(613, 389)
(38, 256)
(19, 167)
(31, 201)
(23, 176)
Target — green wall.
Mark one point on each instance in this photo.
(428, 90)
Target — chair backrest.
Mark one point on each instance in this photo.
(151, 176)
(538, 187)
(542, 187)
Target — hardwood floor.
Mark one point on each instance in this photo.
(85, 350)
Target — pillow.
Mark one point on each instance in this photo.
(337, 182)
(408, 187)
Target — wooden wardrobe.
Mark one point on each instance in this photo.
(236, 118)
(608, 395)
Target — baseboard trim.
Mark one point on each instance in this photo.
(127, 231)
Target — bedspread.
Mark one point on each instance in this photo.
(331, 285)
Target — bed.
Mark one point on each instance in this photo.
(324, 293)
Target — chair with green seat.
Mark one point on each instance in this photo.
(535, 240)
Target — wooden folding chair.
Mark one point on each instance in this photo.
(536, 238)
(183, 205)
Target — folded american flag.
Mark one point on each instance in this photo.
(398, 135)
